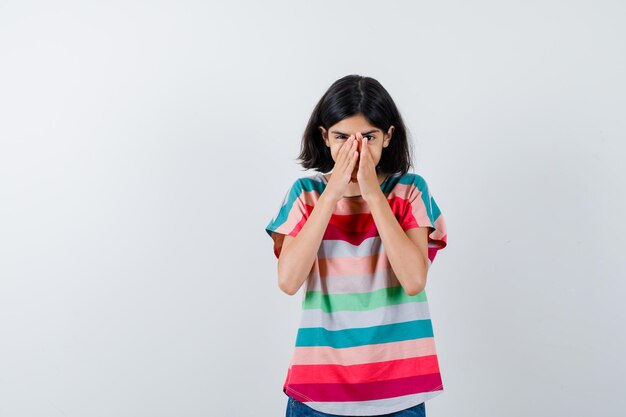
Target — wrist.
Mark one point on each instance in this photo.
(375, 197)
(326, 198)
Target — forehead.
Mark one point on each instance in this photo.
(353, 124)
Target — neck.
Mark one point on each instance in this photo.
(354, 186)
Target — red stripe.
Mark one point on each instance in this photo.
(365, 392)
(367, 372)
(355, 228)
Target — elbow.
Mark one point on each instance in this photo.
(416, 287)
(412, 275)
(286, 288)
(286, 283)
(289, 280)
(414, 291)
(283, 282)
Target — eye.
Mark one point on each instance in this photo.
(343, 137)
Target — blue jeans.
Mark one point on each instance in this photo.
(297, 408)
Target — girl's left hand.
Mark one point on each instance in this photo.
(366, 174)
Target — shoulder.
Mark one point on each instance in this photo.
(312, 183)
(308, 180)
(306, 188)
(414, 179)
(410, 184)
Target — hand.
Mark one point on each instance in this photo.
(366, 175)
(342, 171)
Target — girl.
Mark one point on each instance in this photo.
(362, 238)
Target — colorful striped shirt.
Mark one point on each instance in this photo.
(364, 347)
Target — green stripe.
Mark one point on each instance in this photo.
(362, 301)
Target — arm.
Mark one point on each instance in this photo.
(407, 252)
(298, 253)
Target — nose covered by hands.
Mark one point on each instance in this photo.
(359, 141)
(348, 169)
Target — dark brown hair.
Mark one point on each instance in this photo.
(346, 97)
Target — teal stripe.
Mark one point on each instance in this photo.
(393, 179)
(318, 336)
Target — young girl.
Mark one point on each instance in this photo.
(361, 238)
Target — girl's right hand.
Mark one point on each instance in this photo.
(342, 171)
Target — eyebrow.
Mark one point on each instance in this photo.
(364, 133)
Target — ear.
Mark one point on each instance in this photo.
(324, 133)
(389, 134)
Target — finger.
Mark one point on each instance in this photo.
(366, 156)
(366, 146)
(345, 148)
(355, 152)
(361, 156)
(352, 162)
(346, 157)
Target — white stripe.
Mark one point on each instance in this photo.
(373, 407)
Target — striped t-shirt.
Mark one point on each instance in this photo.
(364, 347)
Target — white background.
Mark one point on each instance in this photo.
(144, 146)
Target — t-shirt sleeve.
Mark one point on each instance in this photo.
(289, 218)
(423, 211)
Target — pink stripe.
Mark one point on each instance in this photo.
(362, 354)
(364, 265)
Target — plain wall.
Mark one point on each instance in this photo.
(145, 145)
